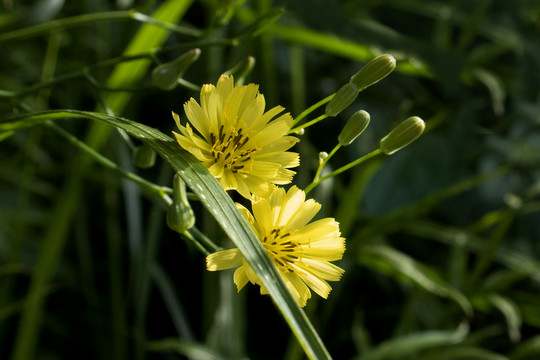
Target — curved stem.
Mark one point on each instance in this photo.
(162, 191)
(342, 169)
(80, 20)
(111, 62)
(321, 165)
(308, 124)
(312, 108)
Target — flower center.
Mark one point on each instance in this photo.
(281, 249)
(229, 148)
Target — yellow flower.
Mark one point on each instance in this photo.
(301, 251)
(237, 141)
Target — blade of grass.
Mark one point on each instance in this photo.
(406, 345)
(220, 205)
(384, 258)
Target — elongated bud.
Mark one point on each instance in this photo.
(354, 127)
(242, 69)
(343, 98)
(375, 70)
(165, 76)
(144, 156)
(180, 216)
(402, 135)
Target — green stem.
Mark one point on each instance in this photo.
(209, 244)
(308, 124)
(111, 62)
(161, 191)
(312, 108)
(321, 165)
(342, 169)
(80, 20)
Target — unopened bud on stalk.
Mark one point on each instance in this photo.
(144, 157)
(343, 98)
(165, 76)
(242, 69)
(375, 70)
(354, 127)
(322, 156)
(402, 135)
(180, 216)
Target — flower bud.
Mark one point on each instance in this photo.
(354, 127)
(144, 157)
(343, 98)
(165, 76)
(242, 69)
(402, 135)
(375, 70)
(180, 216)
(322, 156)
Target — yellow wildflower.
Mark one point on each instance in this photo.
(301, 251)
(239, 143)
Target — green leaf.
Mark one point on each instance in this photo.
(397, 264)
(216, 200)
(413, 343)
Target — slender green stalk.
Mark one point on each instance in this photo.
(83, 73)
(308, 124)
(321, 165)
(202, 238)
(189, 236)
(161, 191)
(312, 108)
(81, 20)
(342, 169)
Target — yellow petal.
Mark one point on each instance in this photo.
(225, 259)
(318, 285)
(297, 288)
(322, 269)
(240, 278)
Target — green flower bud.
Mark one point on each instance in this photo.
(375, 70)
(242, 69)
(165, 76)
(144, 156)
(180, 216)
(354, 127)
(343, 98)
(402, 135)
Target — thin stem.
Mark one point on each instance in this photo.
(312, 108)
(321, 165)
(161, 191)
(193, 239)
(111, 62)
(80, 20)
(205, 239)
(309, 123)
(342, 169)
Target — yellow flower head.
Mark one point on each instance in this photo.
(237, 141)
(301, 251)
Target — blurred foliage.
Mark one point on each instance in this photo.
(443, 247)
